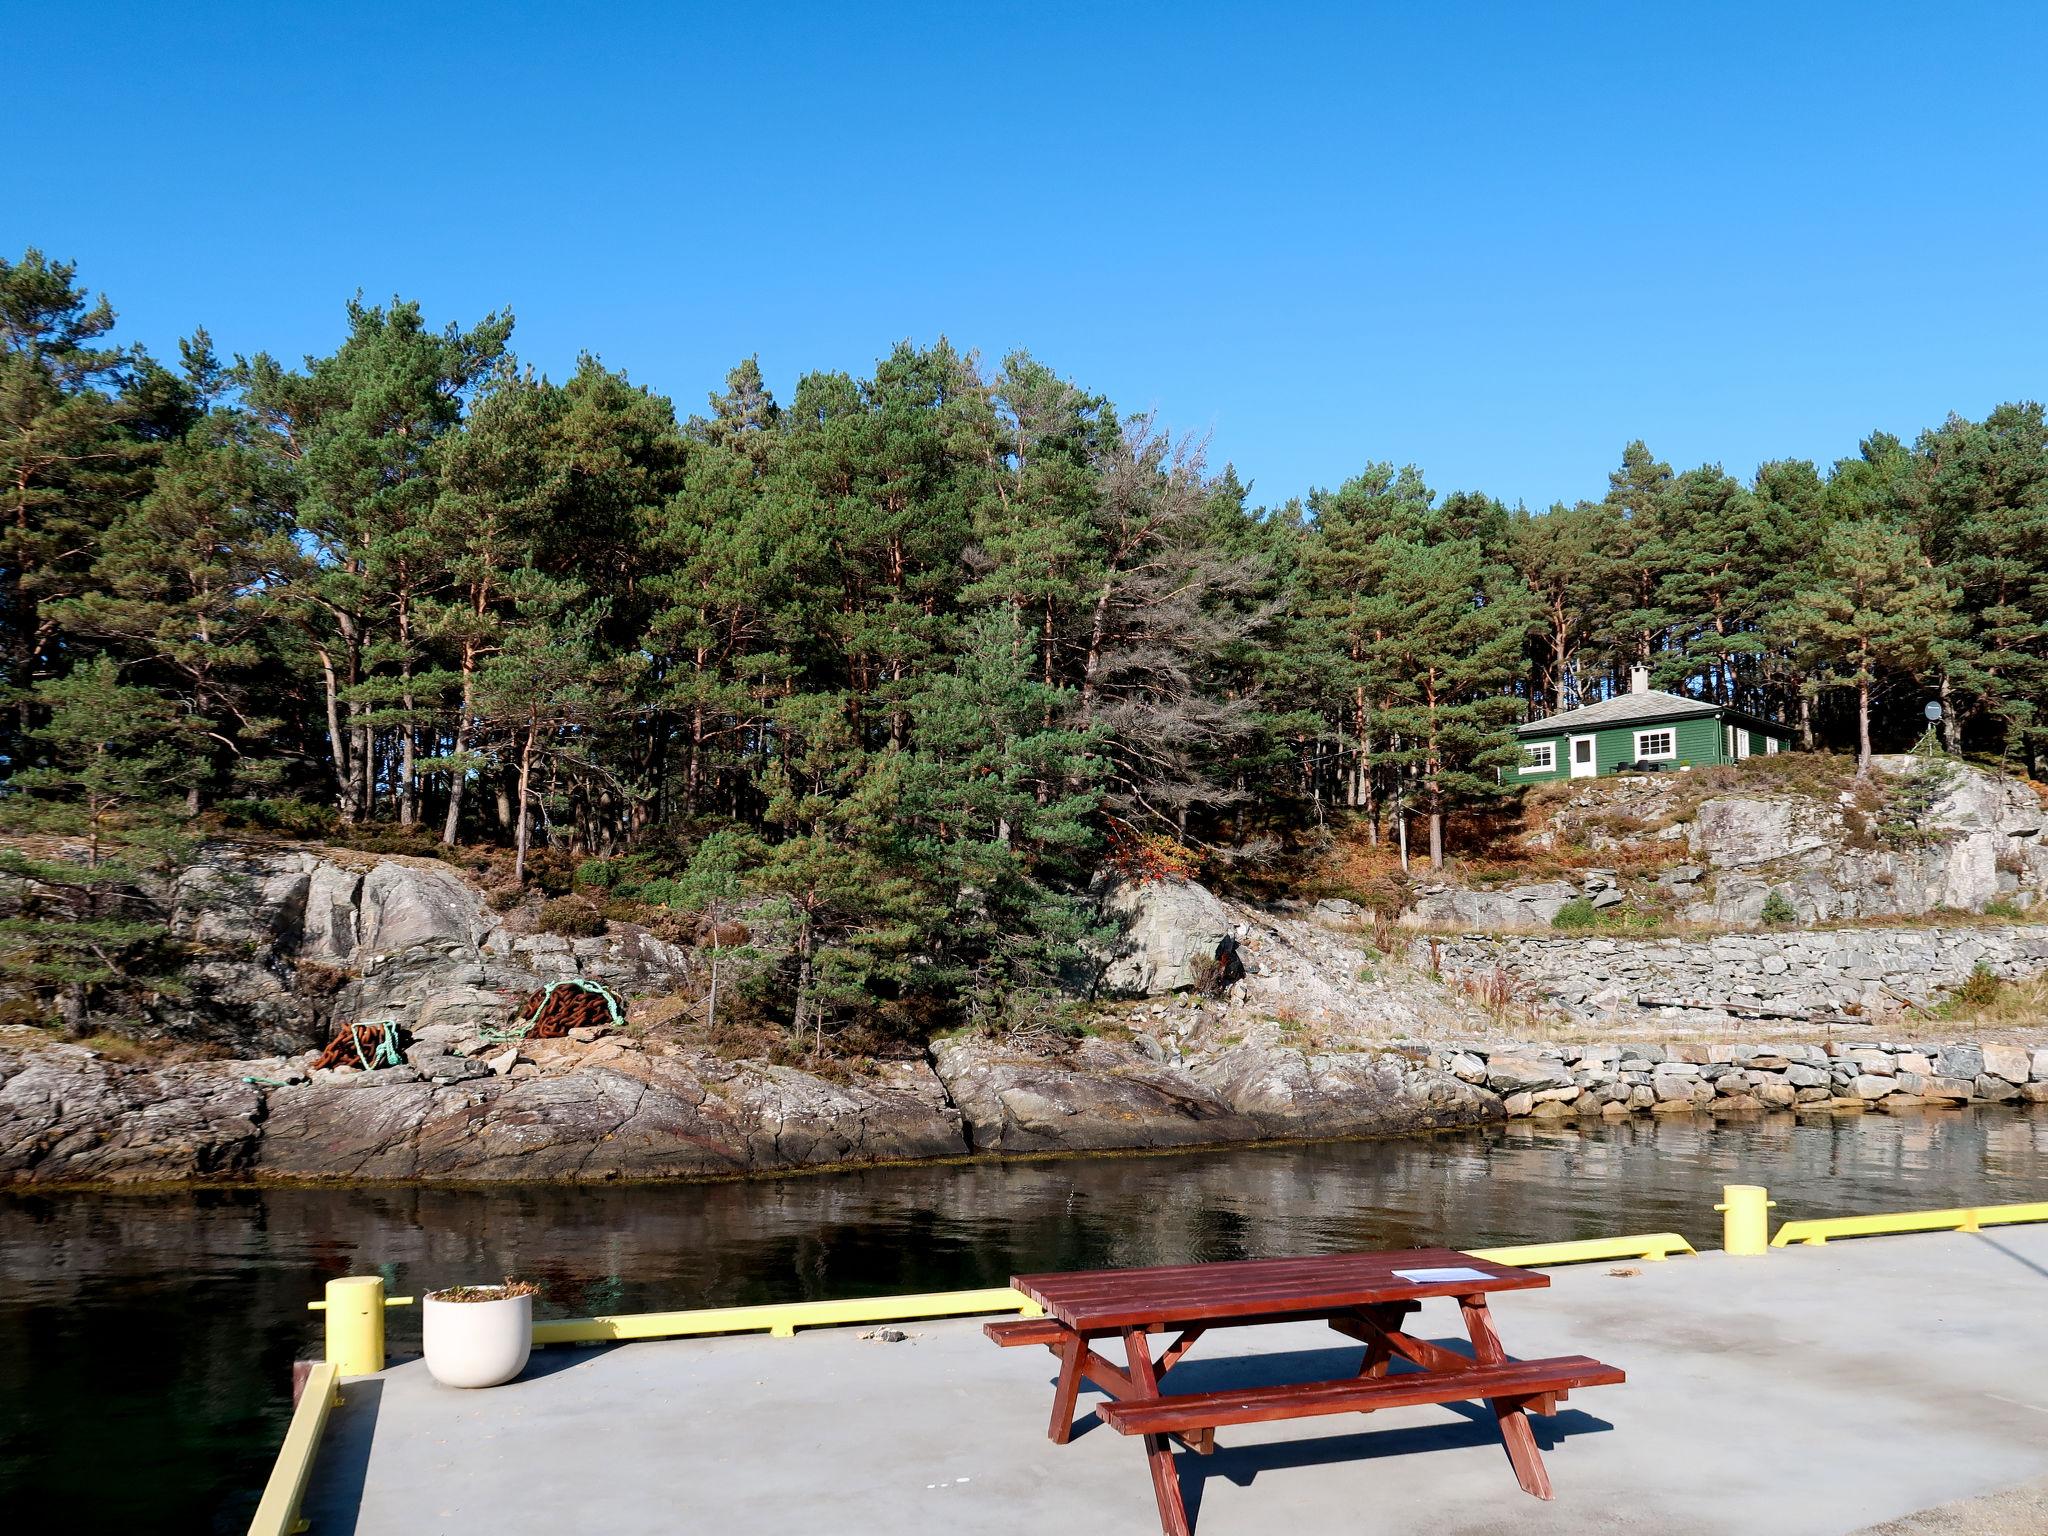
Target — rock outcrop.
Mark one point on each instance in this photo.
(1975, 838)
(601, 1110)
(1091, 1099)
(1098, 1097)
(287, 942)
(611, 1108)
(1314, 965)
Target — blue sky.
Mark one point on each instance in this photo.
(1496, 241)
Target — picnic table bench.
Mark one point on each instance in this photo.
(1365, 1296)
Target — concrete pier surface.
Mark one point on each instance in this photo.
(1812, 1392)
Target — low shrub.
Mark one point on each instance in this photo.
(2005, 907)
(552, 870)
(292, 818)
(1980, 988)
(570, 916)
(1576, 914)
(1778, 911)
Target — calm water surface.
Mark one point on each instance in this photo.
(146, 1341)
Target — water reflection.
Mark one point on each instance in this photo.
(166, 1324)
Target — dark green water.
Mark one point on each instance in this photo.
(146, 1341)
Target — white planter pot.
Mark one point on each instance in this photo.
(477, 1343)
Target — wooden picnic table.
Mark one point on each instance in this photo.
(1366, 1296)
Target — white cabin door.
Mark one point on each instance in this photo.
(1584, 763)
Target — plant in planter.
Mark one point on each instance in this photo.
(478, 1335)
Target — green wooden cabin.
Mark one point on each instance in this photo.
(1644, 725)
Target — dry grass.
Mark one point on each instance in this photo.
(1997, 1004)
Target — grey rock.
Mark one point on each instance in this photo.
(1960, 1061)
(1170, 930)
(1517, 1074)
(2010, 1062)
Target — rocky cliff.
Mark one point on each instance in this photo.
(289, 942)
(1714, 845)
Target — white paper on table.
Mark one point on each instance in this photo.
(1441, 1276)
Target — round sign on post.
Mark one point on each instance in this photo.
(1933, 711)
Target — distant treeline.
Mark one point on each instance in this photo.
(908, 653)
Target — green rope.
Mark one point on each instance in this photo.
(266, 1082)
(386, 1054)
(512, 1033)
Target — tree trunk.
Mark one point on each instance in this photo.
(525, 804)
(1863, 730)
(803, 977)
(1098, 626)
(337, 743)
(408, 790)
(458, 776)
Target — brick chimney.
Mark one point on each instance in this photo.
(1638, 679)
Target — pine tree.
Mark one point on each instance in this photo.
(1982, 511)
(1003, 804)
(1451, 627)
(1875, 611)
(68, 461)
(93, 822)
(360, 434)
(175, 585)
(1564, 558)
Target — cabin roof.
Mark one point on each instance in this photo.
(1648, 706)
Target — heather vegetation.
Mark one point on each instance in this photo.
(907, 657)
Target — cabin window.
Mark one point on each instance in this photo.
(1655, 746)
(1770, 746)
(1540, 758)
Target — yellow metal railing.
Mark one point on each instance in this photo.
(1963, 1219)
(277, 1513)
(1651, 1245)
(781, 1320)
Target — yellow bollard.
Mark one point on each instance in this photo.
(1746, 1226)
(355, 1322)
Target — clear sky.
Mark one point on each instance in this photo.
(1496, 241)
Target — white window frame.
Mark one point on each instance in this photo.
(1549, 751)
(1670, 754)
(1770, 746)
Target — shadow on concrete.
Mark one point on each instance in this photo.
(1473, 1426)
(1473, 1422)
(557, 1358)
(2017, 1258)
(334, 1498)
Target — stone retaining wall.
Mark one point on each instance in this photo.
(1615, 1081)
(1871, 971)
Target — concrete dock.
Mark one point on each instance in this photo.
(1811, 1392)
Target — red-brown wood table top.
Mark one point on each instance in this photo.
(1110, 1300)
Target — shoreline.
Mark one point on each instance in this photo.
(1517, 1128)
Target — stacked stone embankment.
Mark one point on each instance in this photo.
(1557, 1082)
(1867, 971)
